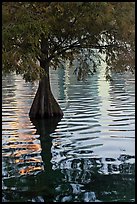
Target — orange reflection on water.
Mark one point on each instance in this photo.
(21, 149)
(28, 160)
(26, 149)
(30, 169)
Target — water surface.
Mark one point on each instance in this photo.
(87, 156)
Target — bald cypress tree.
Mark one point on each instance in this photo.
(37, 36)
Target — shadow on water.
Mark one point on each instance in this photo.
(49, 177)
(82, 181)
(44, 128)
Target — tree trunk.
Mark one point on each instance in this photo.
(44, 104)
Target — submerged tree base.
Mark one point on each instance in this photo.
(44, 104)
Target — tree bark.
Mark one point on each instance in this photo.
(44, 104)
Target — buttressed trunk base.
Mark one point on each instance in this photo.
(44, 104)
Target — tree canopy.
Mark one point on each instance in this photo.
(69, 30)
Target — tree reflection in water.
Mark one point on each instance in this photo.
(85, 180)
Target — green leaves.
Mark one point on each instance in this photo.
(70, 27)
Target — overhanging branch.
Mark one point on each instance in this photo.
(78, 46)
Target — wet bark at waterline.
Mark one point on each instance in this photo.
(44, 104)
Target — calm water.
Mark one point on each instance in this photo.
(88, 156)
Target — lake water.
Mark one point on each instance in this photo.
(88, 156)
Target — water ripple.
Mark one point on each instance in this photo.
(94, 139)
